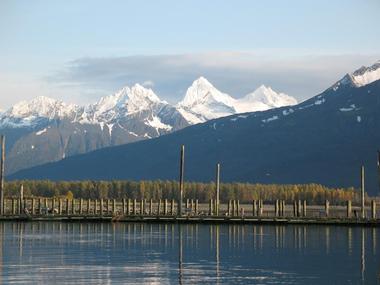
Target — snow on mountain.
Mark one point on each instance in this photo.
(201, 103)
(125, 102)
(26, 113)
(204, 102)
(263, 98)
(366, 75)
(360, 77)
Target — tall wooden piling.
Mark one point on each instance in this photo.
(283, 207)
(295, 208)
(88, 206)
(373, 209)
(21, 206)
(196, 207)
(217, 189)
(233, 207)
(14, 206)
(60, 206)
(362, 192)
(181, 180)
(96, 207)
(2, 175)
(349, 208)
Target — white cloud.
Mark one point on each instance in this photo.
(84, 80)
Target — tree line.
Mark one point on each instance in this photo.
(158, 189)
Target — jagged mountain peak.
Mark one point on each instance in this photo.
(40, 107)
(203, 92)
(360, 77)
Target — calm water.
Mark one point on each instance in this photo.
(65, 253)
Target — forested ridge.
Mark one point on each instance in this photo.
(245, 192)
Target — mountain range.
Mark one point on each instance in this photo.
(324, 139)
(45, 130)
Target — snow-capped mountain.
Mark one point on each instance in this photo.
(204, 102)
(360, 77)
(45, 129)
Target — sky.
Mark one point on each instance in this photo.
(79, 51)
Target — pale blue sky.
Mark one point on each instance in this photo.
(81, 50)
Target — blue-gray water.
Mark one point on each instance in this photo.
(73, 253)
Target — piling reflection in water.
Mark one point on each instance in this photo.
(169, 253)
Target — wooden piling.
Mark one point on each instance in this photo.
(60, 206)
(373, 209)
(210, 210)
(192, 205)
(299, 208)
(151, 207)
(67, 206)
(114, 208)
(14, 206)
(217, 189)
(187, 203)
(165, 207)
(123, 206)
(2, 175)
(108, 207)
(276, 208)
(254, 208)
(88, 207)
(362, 192)
(233, 204)
(349, 208)
(129, 207)
(237, 207)
(172, 207)
(196, 207)
(96, 207)
(327, 208)
(142, 207)
(134, 207)
(73, 206)
(181, 180)
(304, 208)
(80, 206)
(159, 207)
(229, 208)
(283, 212)
(53, 205)
(261, 208)
(21, 206)
(39, 205)
(33, 207)
(101, 207)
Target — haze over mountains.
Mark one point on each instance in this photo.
(44, 129)
(324, 140)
